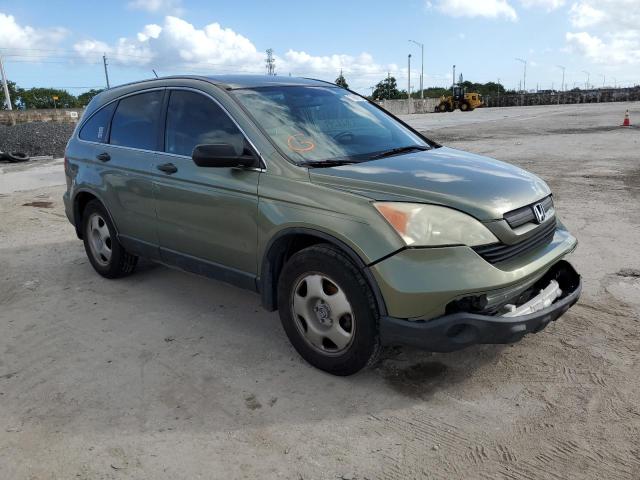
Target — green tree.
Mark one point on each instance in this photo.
(341, 81)
(43, 98)
(490, 88)
(86, 97)
(434, 92)
(387, 89)
(13, 94)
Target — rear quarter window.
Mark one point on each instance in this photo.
(95, 130)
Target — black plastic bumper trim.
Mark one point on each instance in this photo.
(460, 330)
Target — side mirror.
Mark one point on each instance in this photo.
(222, 155)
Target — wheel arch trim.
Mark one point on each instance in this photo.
(77, 219)
(271, 265)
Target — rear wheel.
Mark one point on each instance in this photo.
(464, 106)
(107, 256)
(328, 311)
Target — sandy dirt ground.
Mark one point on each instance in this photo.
(166, 375)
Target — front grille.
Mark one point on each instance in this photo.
(521, 216)
(499, 252)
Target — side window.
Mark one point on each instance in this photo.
(95, 130)
(135, 123)
(193, 119)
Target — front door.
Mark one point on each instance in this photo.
(206, 215)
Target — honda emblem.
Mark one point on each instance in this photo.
(539, 212)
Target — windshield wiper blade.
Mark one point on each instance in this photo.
(397, 151)
(327, 163)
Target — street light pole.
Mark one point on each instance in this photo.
(588, 78)
(563, 69)
(409, 83)
(524, 78)
(453, 85)
(421, 45)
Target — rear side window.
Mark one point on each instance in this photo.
(95, 130)
(193, 119)
(135, 123)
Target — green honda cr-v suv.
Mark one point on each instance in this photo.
(358, 229)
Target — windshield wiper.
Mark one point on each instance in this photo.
(327, 163)
(397, 151)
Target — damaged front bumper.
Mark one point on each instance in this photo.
(462, 329)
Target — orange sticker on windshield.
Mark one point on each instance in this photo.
(299, 143)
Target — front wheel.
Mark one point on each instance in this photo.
(328, 311)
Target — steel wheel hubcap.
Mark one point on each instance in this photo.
(99, 239)
(323, 314)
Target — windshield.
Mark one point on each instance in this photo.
(324, 124)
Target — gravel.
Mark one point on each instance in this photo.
(36, 138)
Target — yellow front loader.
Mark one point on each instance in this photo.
(460, 100)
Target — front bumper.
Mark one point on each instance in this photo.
(418, 283)
(459, 330)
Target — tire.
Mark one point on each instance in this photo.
(442, 107)
(16, 157)
(107, 256)
(325, 267)
(464, 106)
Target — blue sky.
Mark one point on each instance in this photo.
(60, 44)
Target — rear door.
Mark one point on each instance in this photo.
(206, 215)
(125, 164)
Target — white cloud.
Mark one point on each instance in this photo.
(13, 35)
(475, 8)
(617, 48)
(179, 45)
(584, 15)
(157, 6)
(609, 31)
(149, 31)
(548, 5)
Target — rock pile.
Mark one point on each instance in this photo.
(36, 138)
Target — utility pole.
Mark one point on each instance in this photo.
(409, 83)
(271, 62)
(563, 68)
(588, 79)
(421, 45)
(106, 72)
(524, 77)
(453, 86)
(5, 86)
(604, 80)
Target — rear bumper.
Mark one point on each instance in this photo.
(460, 330)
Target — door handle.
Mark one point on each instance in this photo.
(103, 157)
(167, 168)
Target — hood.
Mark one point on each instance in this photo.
(480, 186)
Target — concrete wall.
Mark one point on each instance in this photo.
(65, 115)
(403, 107)
(583, 96)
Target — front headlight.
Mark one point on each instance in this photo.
(431, 225)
